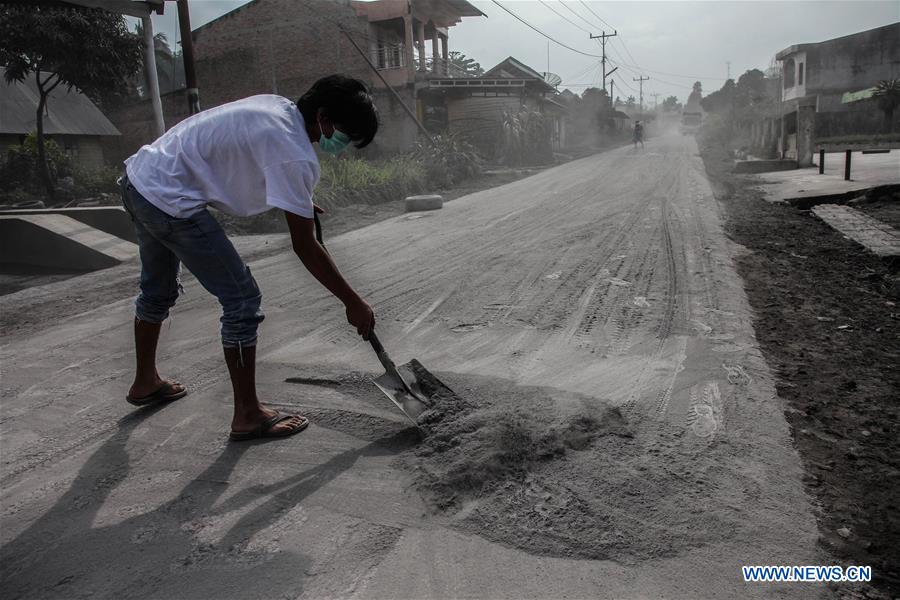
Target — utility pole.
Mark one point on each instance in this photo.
(612, 95)
(641, 81)
(602, 37)
(728, 69)
(187, 50)
(655, 101)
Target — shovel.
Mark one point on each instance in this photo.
(400, 384)
(404, 384)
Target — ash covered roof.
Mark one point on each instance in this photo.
(68, 112)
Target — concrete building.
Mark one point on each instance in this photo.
(815, 78)
(71, 120)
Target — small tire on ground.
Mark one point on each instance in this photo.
(425, 202)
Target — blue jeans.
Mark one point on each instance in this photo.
(199, 242)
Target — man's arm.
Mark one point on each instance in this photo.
(319, 264)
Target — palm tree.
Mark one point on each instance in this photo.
(887, 94)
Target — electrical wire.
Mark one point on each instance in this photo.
(584, 71)
(562, 16)
(569, 8)
(596, 15)
(641, 74)
(634, 62)
(544, 34)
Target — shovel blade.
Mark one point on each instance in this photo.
(395, 389)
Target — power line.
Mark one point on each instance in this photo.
(596, 15)
(634, 62)
(544, 34)
(625, 83)
(627, 51)
(569, 8)
(670, 74)
(562, 16)
(591, 67)
(634, 72)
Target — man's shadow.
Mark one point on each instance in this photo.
(156, 553)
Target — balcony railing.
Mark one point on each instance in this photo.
(389, 56)
(393, 56)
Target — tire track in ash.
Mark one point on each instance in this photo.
(618, 298)
(600, 307)
(571, 289)
(664, 328)
(630, 315)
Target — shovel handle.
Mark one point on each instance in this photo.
(376, 343)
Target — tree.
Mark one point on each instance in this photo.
(887, 95)
(85, 48)
(464, 66)
(169, 65)
(698, 87)
(671, 104)
(630, 102)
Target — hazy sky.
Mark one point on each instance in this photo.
(671, 42)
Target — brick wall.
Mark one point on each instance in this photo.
(283, 47)
(135, 123)
(272, 46)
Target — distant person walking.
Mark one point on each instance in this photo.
(638, 134)
(242, 158)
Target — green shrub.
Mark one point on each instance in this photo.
(524, 138)
(94, 181)
(448, 161)
(357, 181)
(21, 168)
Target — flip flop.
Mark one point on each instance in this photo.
(264, 429)
(165, 393)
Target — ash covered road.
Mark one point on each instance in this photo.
(602, 287)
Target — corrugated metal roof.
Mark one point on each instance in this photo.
(68, 112)
(464, 8)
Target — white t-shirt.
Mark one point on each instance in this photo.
(242, 158)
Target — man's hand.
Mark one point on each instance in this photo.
(361, 316)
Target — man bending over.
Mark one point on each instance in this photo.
(243, 158)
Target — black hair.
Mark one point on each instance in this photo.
(346, 102)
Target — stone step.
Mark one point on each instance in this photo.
(877, 237)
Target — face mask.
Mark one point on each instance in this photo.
(336, 144)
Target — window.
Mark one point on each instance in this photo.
(799, 73)
(789, 68)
